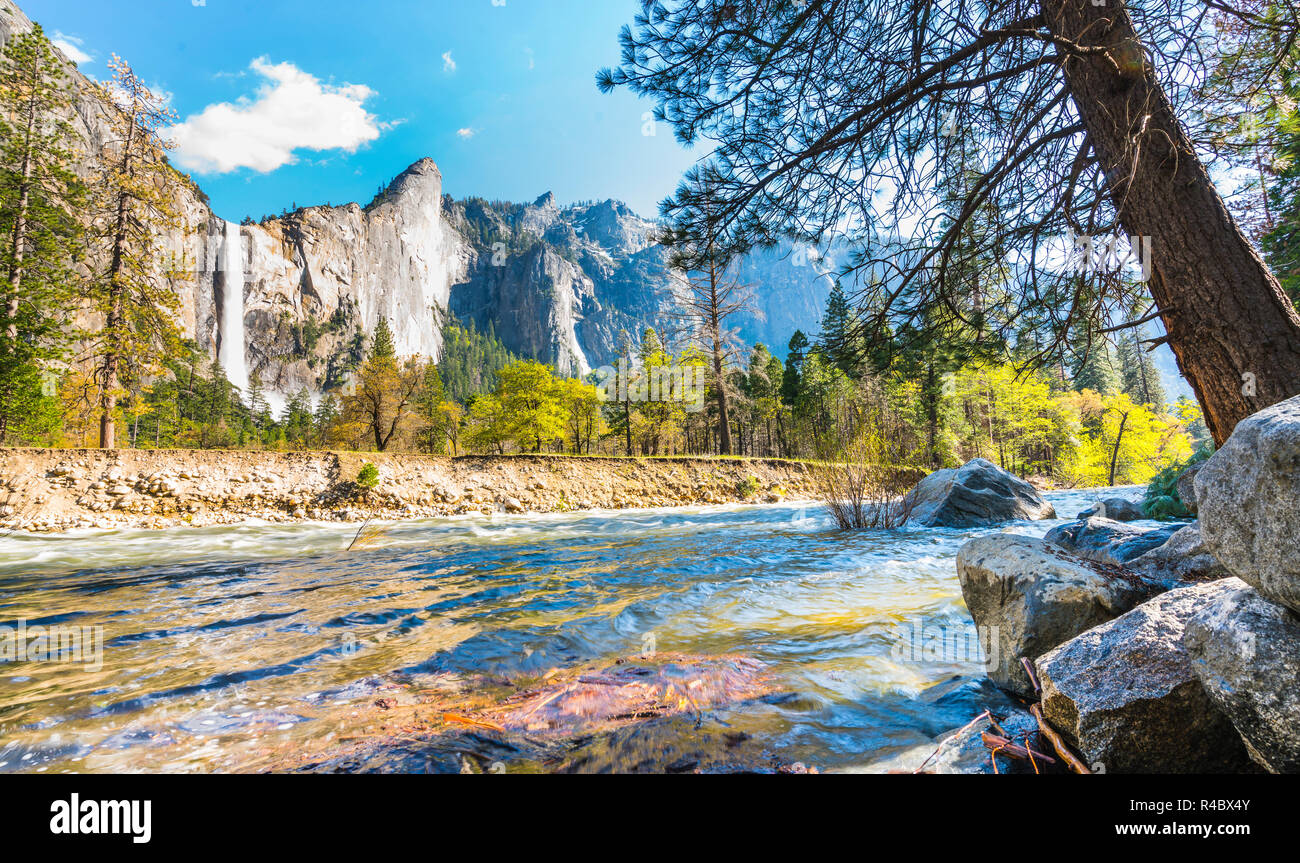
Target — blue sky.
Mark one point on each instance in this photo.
(500, 94)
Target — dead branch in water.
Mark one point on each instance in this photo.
(1033, 678)
(369, 537)
(1008, 747)
(1058, 743)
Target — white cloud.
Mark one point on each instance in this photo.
(292, 111)
(71, 47)
(466, 133)
(448, 64)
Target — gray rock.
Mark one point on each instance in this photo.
(1125, 695)
(513, 505)
(1115, 509)
(1027, 597)
(961, 751)
(1249, 499)
(1187, 486)
(1184, 558)
(1245, 651)
(976, 494)
(1109, 542)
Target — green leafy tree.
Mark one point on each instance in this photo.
(531, 404)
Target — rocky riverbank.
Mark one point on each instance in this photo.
(57, 490)
(1168, 650)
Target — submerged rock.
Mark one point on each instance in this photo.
(1248, 494)
(976, 494)
(1107, 541)
(1125, 695)
(1027, 597)
(1245, 651)
(1115, 509)
(963, 751)
(638, 714)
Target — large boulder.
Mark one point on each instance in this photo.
(1186, 486)
(1125, 695)
(1248, 496)
(1027, 597)
(977, 494)
(1115, 509)
(1107, 541)
(1245, 651)
(1184, 558)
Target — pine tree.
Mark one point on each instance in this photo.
(382, 346)
(259, 408)
(837, 339)
(1139, 377)
(710, 297)
(135, 204)
(40, 197)
(1096, 370)
(791, 384)
(431, 410)
(327, 413)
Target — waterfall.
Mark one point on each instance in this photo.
(230, 346)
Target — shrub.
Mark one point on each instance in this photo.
(748, 487)
(1162, 500)
(368, 477)
(861, 490)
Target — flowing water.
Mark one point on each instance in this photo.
(225, 648)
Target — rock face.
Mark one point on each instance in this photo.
(1245, 651)
(1030, 597)
(1115, 509)
(1187, 487)
(1183, 558)
(1109, 542)
(1125, 694)
(977, 493)
(1249, 500)
(285, 298)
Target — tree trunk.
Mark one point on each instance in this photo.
(627, 420)
(116, 316)
(18, 246)
(1235, 334)
(932, 415)
(1114, 455)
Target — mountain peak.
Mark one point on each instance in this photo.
(422, 175)
(545, 200)
(421, 168)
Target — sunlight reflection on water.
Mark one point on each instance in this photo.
(221, 641)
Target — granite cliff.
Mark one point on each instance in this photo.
(285, 299)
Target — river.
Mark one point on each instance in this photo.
(229, 649)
